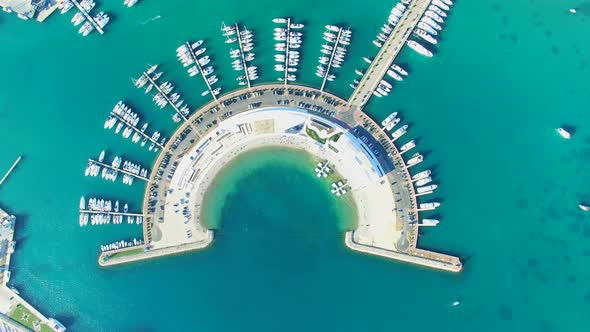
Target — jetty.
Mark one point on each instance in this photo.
(118, 170)
(387, 54)
(196, 61)
(164, 95)
(243, 56)
(287, 48)
(88, 17)
(336, 43)
(134, 128)
(11, 169)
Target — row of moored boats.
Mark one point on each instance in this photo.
(288, 38)
(129, 169)
(422, 180)
(121, 245)
(99, 20)
(127, 121)
(102, 212)
(244, 54)
(193, 55)
(429, 26)
(164, 96)
(333, 51)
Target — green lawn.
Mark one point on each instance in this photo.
(336, 137)
(311, 133)
(24, 316)
(128, 252)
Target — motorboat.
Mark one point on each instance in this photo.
(564, 133)
(419, 48)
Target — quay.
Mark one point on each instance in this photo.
(88, 17)
(243, 56)
(11, 169)
(196, 61)
(12, 305)
(164, 95)
(118, 170)
(331, 59)
(128, 124)
(387, 54)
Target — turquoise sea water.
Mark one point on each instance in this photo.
(484, 110)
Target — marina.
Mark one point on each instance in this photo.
(271, 217)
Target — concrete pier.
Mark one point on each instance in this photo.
(387, 54)
(10, 169)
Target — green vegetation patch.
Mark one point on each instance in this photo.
(128, 252)
(24, 316)
(336, 137)
(311, 133)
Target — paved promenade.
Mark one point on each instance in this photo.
(387, 54)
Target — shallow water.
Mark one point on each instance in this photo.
(484, 110)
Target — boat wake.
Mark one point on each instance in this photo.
(157, 17)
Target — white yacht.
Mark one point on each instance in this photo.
(584, 207)
(416, 159)
(394, 75)
(564, 133)
(425, 189)
(424, 181)
(419, 48)
(410, 145)
(434, 16)
(437, 10)
(440, 5)
(389, 119)
(427, 28)
(399, 69)
(424, 35)
(429, 206)
(430, 222)
(399, 132)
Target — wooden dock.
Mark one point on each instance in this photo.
(387, 54)
(11, 169)
(88, 17)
